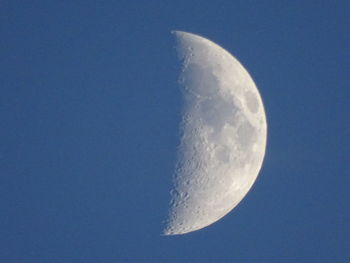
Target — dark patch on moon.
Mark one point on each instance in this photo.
(251, 101)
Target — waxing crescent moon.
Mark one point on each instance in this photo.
(223, 135)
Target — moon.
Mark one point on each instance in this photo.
(222, 135)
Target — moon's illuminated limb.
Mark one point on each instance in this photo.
(223, 135)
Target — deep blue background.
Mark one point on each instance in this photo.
(89, 110)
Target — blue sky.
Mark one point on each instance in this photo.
(89, 112)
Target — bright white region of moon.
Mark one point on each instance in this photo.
(223, 135)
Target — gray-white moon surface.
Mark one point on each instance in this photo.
(223, 135)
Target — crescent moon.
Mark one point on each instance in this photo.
(223, 135)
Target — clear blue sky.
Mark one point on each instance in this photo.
(89, 112)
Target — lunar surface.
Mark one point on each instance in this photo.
(223, 135)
